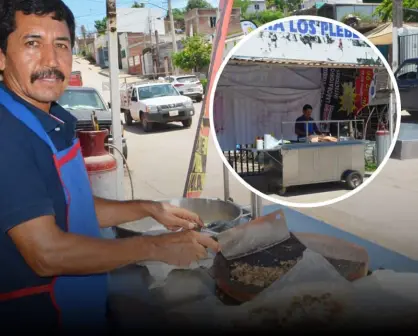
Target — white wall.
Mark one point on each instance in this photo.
(135, 20)
(261, 6)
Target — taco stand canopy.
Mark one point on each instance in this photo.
(276, 71)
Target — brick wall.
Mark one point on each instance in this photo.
(204, 21)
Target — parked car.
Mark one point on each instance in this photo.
(155, 103)
(81, 102)
(76, 79)
(188, 85)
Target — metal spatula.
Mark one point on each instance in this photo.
(254, 236)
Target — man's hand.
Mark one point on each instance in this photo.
(175, 218)
(182, 248)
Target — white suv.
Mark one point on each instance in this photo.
(187, 85)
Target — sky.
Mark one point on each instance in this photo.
(88, 11)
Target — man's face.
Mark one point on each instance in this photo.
(38, 61)
(307, 113)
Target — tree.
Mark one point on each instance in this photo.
(384, 10)
(101, 26)
(195, 55)
(178, 14)
(192, 4)
(291, 5)
(138, 5)
(263, 17)
(243, 4)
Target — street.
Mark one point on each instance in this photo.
(382, 213)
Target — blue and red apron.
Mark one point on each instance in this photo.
(80, 301)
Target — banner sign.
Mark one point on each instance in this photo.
(345, 92)
(248, 26)
(312, 27)
(310, 41)
(197, 168)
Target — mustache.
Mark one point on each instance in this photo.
(48, 73)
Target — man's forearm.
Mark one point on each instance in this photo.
(79, 255)
(112, 213)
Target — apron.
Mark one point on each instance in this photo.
(80, 300)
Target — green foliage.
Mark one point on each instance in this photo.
(192, 4)
(384, 10)
(204, 83)
(178, 14)
(101, 26)
(90, 57)
(195, 55)
(138, 5)
(263, 17)
(243, 4)
(291, 5)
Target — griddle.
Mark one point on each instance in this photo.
(289, 250)
(233, 292)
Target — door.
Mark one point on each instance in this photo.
(407, 78)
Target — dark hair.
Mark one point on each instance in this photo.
(307, 107)
(39, 7)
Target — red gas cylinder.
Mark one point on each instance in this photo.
(101, 165)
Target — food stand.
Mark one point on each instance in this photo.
(268, 80)
(189, 298)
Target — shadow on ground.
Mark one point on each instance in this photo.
(261, 184)
(136, 128)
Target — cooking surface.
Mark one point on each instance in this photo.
(289, 250)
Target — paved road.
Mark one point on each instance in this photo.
(385, 212)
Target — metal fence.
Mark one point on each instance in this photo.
(408, 47)
(245, 162)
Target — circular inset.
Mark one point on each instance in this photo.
(299, 106)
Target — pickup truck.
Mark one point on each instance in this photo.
(81, 102)
(155, 103)
(407, 79)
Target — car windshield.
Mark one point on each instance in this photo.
(81, 99)
(156, 91)
(187, 79)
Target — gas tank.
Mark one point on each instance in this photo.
(101, 167)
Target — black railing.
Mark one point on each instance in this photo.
(245, 162)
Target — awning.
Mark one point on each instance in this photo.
(304, 64)
(382, 35)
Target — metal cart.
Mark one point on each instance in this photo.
(304, 163)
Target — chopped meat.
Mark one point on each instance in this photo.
(258, 275)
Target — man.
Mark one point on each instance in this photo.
(52, 259)
(300, 128)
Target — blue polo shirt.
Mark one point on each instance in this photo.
(30, 187)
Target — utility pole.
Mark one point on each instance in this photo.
(173, 36)
(114, 94)
(397, 22)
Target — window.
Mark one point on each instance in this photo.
(134, 93)
(212, 21)
(257, 7)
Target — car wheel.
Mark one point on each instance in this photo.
(146, 126)
(199, 99)
(187, 123)
(128, 118)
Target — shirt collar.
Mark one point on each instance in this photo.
(51, 121)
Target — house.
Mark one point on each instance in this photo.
(338, 9)
(256, 6)
(134, 25)
(203, 21)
